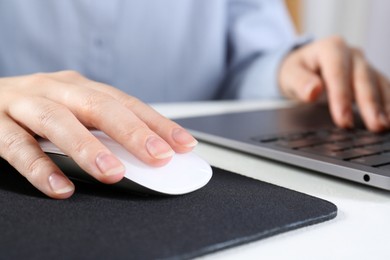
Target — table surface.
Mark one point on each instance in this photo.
(360, 231)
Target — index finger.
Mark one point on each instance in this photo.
(336, 68)
(175, 135)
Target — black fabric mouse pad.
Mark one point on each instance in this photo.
(101, 223)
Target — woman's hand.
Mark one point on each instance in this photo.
(330, 66)
(61, 107)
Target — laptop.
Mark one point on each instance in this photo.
(304, 136)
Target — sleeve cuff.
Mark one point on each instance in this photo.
(260, 79)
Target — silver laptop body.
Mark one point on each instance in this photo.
(303, 136)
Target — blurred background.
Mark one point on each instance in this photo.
(362, 23)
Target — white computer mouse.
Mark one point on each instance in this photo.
(183, 174)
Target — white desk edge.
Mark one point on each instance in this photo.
(360, 231)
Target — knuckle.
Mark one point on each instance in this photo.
(34, 164)
(336, 41)
(81, 146)
(48, 113)
(93, 102)
(163, 125)
(130, 135)
(132, 101)
(338, 74)
(362, 78)
(14, 141)
(358, 52)
(12, 145)
(72, 74)
(371, 99)
(37, 79)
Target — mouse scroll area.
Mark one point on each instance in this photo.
(185, 173)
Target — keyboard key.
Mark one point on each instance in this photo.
(367, 140)
(286, 137)
(356, 145)
(328, 147)
(342, 155)
(374, 160)
(385, 146)
(297, 136)
(376, 148)
(337, 138)
(343, 145)
(385, 167)
(300, 143)
(266, 139)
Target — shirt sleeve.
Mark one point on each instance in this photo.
(260, 34)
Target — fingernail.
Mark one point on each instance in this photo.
(182, 137)
(158, 148)
(309, 91)
(59, 184)
(109, 165)
(347, 117)
(383, 119)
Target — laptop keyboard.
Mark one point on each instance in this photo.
(356, 145)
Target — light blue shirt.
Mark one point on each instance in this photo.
(158, 51)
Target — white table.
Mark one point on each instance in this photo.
(360, 231)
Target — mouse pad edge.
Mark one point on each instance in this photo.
(219, 235)
(330, 212)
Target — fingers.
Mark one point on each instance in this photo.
(144, 134)
(125, 127)
(176, 136)
(96, 109)
(301, 83)
(56, 123)
(385, 93)
(369, 90)
(347, 77)
(308, 71)
(171, 133)
(59, 107)
(22, 151)
(336, 68)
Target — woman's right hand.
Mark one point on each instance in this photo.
(61, 107)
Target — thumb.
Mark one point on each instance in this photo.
(300, 83)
